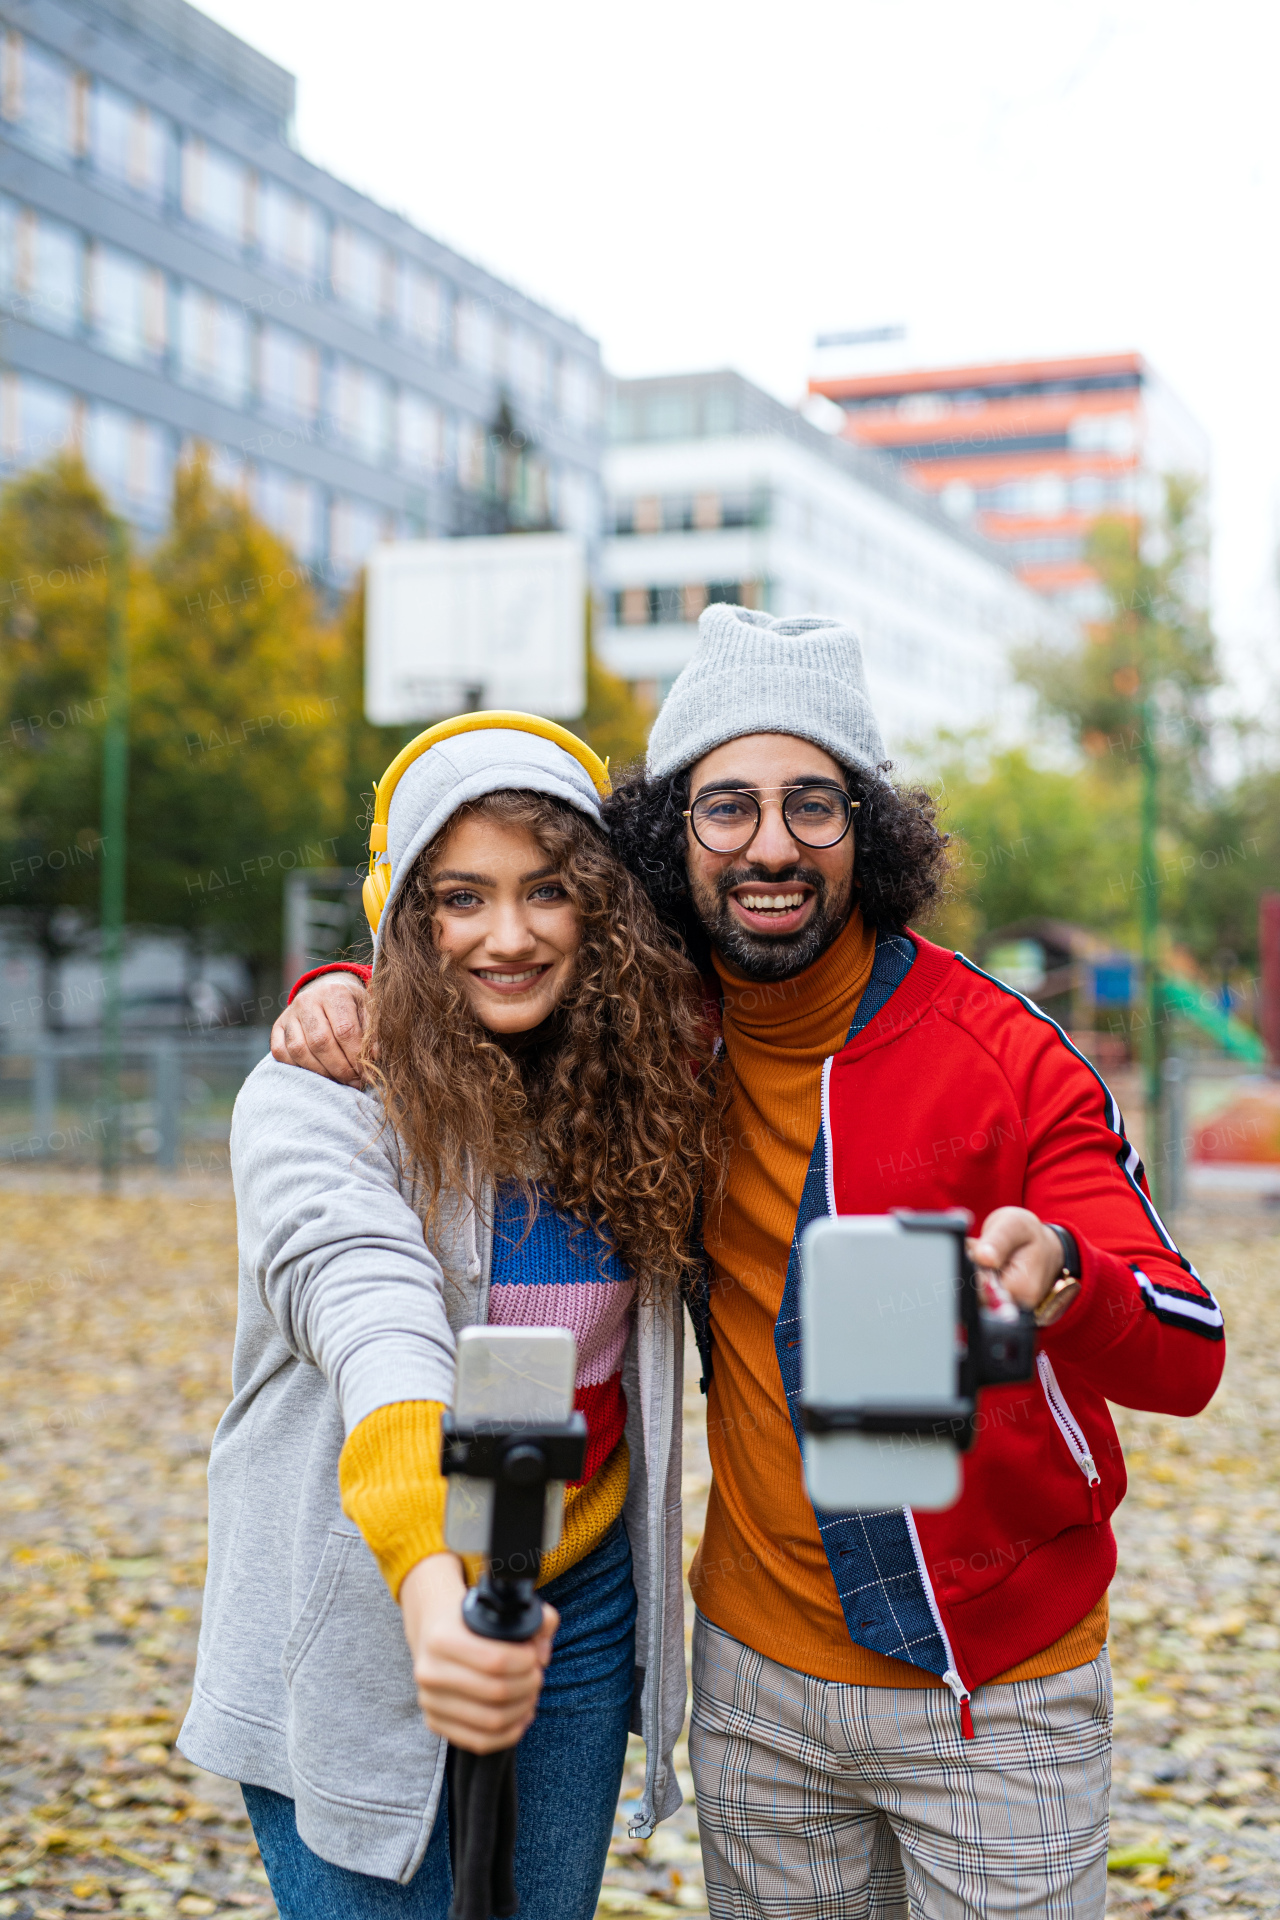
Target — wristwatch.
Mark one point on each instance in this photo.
(1067, 1285)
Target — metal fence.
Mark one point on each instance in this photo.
(177, 1092)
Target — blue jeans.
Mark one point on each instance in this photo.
(568, 1771)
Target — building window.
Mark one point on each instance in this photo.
(215, 190)
(419, 304)
(577, 503)
(132, 460)
(355, 527)
(293, 508)
(361, 407)
(36, 93)
(419, 434)
(678, 606)
(1103, 433)
(126, 305)
(474, 336)
(579, 392)
(534, 494)
(227, 469)
(360, 270)
(213, 345)
(691, 512)
(288, 373)
(41, 263)
(128, 143)
(1044, 549)
(472, 441)
(37, 421)
(290, 231)
(529, 364)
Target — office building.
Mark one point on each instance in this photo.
(716, 491)
(1031, 452)
(173, 271)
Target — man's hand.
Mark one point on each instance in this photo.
(323, 1029)
(480, 1694)
(1022, 1255)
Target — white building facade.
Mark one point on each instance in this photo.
(716, 491)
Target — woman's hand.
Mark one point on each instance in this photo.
(1023, 1256)
(480, 1694)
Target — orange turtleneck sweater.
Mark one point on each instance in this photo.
(761, 1573)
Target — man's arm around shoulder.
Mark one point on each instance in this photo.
(322, 1028)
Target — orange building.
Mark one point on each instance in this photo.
(1031, 452)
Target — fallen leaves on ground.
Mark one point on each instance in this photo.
(116, 1322)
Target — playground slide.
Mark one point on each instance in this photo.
(1234, 1038)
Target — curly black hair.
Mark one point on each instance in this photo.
(899, 862)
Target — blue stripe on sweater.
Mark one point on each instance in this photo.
(871, 1556)
(559, 1251)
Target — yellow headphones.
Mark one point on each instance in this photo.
(377, 885)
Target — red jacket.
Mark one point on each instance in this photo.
(961, 1093)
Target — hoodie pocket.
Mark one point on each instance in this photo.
(355, 1730)
(319, 1597)
(1071, 1430)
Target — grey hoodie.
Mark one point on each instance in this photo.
(303, 1682)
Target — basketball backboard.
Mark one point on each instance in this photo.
(452, 625)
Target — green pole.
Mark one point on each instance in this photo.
(115, 792)
(1153, 1035)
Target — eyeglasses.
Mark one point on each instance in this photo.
(728, 820)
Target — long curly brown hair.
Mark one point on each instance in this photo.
(605, 1107)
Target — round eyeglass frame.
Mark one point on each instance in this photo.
(753, 794)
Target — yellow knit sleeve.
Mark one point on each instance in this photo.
(392, 1487)
(589, 1512)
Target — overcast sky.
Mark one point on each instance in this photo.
(710, 184)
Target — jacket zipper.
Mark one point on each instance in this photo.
(951, 1676)
(1072, 1432)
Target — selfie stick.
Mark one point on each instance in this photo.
(518, 1460)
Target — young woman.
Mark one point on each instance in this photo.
(526, 1152)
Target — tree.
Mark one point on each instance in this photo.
(237, 747)
(55, 532)
(1031, 842)
(1233, 857)
(1144, 671)
(1135, 695)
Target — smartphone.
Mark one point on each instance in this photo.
(881, 1334)
(508, 1378)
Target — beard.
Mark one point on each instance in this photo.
(771, 956)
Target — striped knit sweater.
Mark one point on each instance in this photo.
(551, 1273)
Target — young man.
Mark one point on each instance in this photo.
(889, 1707)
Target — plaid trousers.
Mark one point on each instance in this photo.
(819, 1801)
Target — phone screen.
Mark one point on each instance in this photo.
(511, 1377)
(879, 1329)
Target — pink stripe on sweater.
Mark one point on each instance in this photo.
(596, 1312)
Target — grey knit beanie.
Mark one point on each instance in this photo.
(754, 674)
